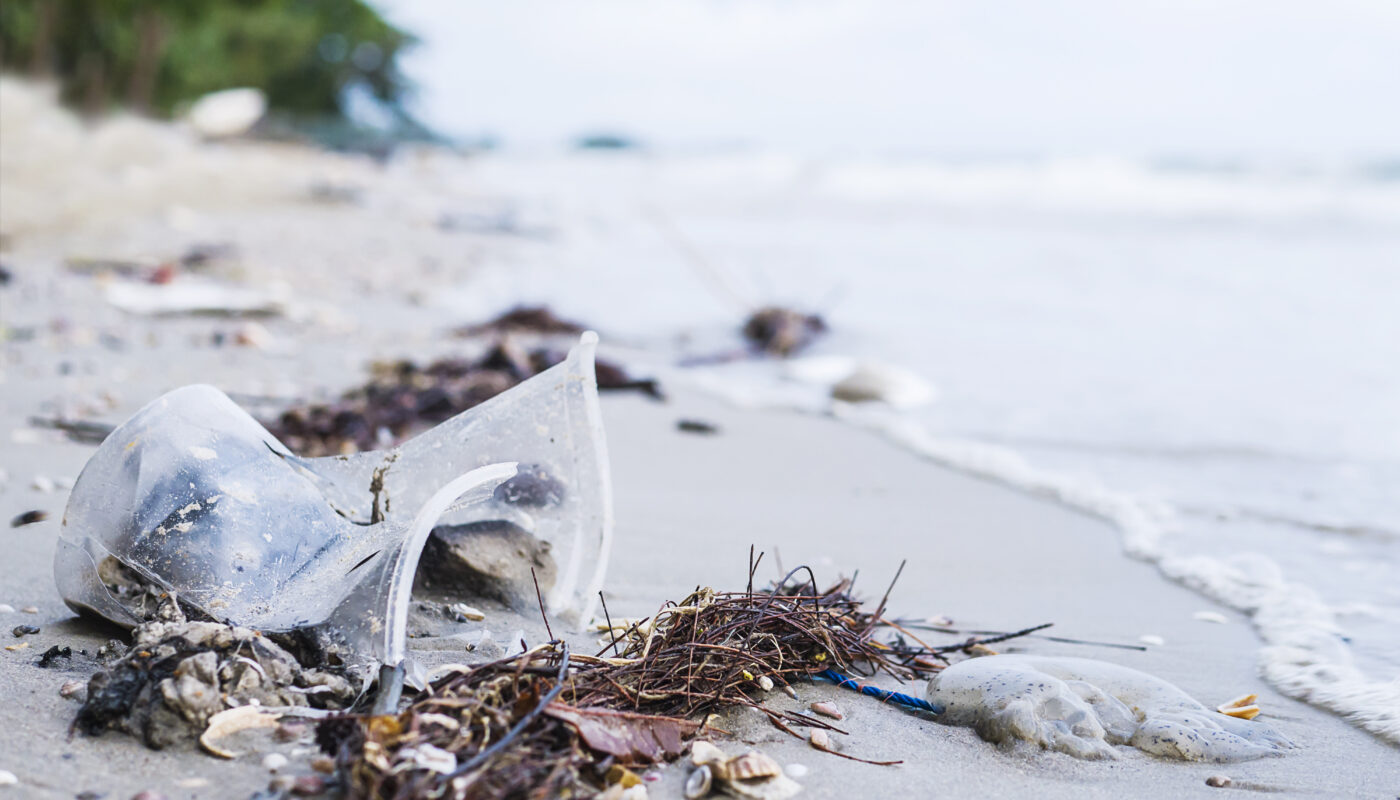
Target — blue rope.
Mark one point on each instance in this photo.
(878, 693)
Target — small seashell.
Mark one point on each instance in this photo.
(1218, 781)
(230, 721)
(699, 782)
(789, 691)
(1242, 707)
(1210, 616)
(467, 612)
(8, 778)
(979, 650)
(274, 761)
(765, 683)
(30, 609)
(820, 739)
(71, 688)
(828, 710)
(749, 766)
(702, 752)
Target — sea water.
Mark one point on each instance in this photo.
(1206, 355)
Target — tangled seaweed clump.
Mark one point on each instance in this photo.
(551, 723)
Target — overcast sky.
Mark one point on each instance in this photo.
(975, 77)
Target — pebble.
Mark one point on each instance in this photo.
(149, 795)
(24, 630)
(820, 739)
(6, 608)
(828, 710)
(43, 483)
(30, 609)
(1218, 781)
(192, 783)
(765, 683)
(274, 761)
(466, 612)
(8, 778)
(71, 688)
(1210, 616)
(28, 518)
(1152, 639)
(796, 770)
(14, 647)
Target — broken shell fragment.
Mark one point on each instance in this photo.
(699, 782)
(820, 739)
(702, 753)
(71, 688)
(749, 766)
(1242, 707)
(828, 710)
(765, 683)
(231, 721)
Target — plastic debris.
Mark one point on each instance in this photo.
(192, 496)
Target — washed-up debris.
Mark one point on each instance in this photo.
(548, 723)
(71, 688)
(30, 610)
(402, 398)
(697, 426)
(192, 497)
(782, 331)
(29, 518)
(230, 722)
(24, 630)
(53, 654)
(1242, 707)
(828, 710)
(178, 675)
(525, 319)
(493, 560)
(193, 297)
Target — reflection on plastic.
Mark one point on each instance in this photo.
(192, 495)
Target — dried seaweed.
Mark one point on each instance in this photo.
(549, 724)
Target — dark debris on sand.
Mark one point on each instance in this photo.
(402, 398)
(781, 331)
(178, 674)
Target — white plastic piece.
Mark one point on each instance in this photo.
(194, 496)
(1082, 707)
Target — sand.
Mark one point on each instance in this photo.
(803, 489)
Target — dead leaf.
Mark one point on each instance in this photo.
(633, 738)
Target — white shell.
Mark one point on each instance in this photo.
(699, 782)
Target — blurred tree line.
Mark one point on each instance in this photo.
(154, 55)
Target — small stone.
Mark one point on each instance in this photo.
(71, 688)
(1210, 616)
(828, 710)
(13, 647)
(192, 783)
(6, 608)
(274, 761)
(8, 778)
(1152, 639)
(24, 630)
(323, 764)
(765, 683)
(29, 518)
(30, 609)
(1218, 781)
(281, 784)
(796, 770)
(308, 785)
(820, 739)
(89, 795)
(149, 795)
(43, 483)
(466, 613)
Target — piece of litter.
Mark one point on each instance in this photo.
(828, 710)
(1152, 639)
(274, 761)
(795, 770)
(1210, 616)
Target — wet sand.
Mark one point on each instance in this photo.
(804, 489)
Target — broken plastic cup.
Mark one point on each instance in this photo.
(193, 496)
